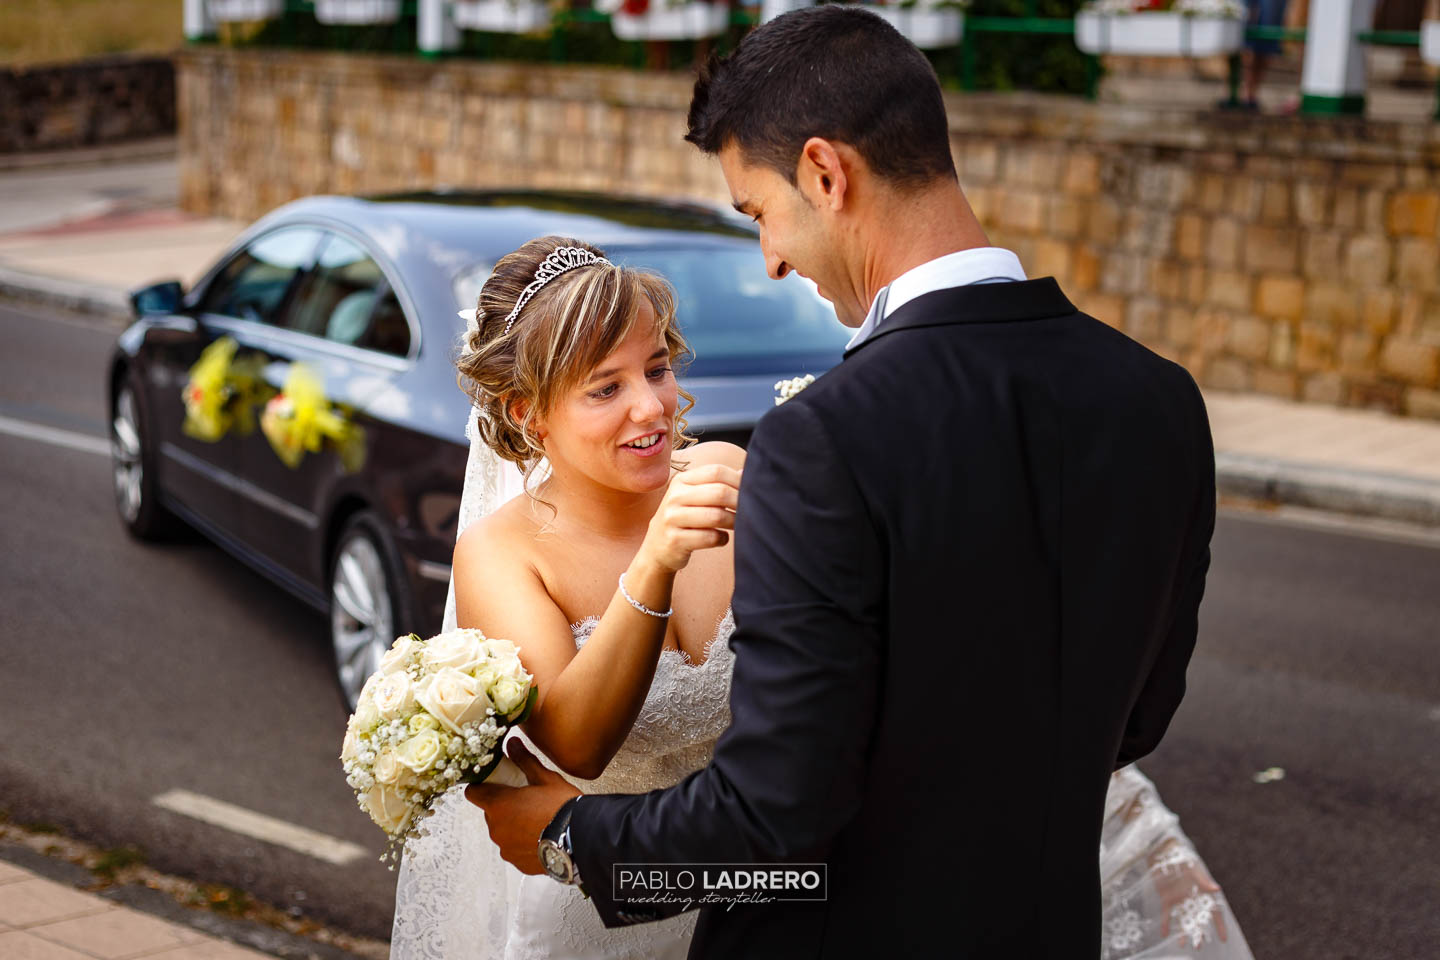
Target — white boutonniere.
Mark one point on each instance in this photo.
(789, 388)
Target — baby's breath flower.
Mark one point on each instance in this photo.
(789, 388)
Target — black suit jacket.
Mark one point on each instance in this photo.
(968, 565)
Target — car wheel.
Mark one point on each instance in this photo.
(132, 464)
(367, 601)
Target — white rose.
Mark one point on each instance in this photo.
(500, 649)
(508, 695)
(420, 752)
(423, 721)
(485, 675)
(453, 698)
(385, 807)
(366, 716)
(512, 667)
(458, 649)
(351, 747)
(398, 655)
(387, 767)
(394, 696)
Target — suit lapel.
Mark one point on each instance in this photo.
(976, 303)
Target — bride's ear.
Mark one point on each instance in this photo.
(518, 408)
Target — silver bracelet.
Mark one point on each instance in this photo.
(640, 606)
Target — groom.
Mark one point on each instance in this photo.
(968, 559)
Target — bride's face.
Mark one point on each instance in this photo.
(615, 426)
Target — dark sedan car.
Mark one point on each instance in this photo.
(299, 405)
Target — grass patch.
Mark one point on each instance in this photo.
(112, 861)
(223, 899)
(47, 31)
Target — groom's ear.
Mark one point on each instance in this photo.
(822, 173)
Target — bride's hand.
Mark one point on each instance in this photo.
(697, 513)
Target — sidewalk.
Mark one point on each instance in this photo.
(1269, 450)
(44, 920)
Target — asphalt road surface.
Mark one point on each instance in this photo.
(131, 670)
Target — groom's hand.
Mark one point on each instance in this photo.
(516, 816)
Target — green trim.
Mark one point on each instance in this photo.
(1061, 25)
(1349, 105)
(1391, 38)
(1275, 33)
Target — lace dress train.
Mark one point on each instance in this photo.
(1159, 900)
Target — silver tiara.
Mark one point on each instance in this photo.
(559, 261)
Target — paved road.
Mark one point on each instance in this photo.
(131, 670)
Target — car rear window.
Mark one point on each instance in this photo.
(737, 319)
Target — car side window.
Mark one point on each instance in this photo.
(346, 299)
(253, 284)
(389, 330)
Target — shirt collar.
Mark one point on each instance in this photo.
(976, 265)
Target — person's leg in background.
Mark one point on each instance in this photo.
(1263, 13)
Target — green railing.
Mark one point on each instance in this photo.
(976, 27)
(1028, 24)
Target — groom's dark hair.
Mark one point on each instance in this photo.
(832, 71)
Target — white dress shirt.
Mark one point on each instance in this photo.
(977, 265)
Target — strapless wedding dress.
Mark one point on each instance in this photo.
(457, 900)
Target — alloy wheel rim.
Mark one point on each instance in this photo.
(361, 622)
(128, 471)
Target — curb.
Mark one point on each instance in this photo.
(1336, 489)
(129, 151)
(93, 298)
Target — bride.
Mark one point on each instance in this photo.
(608, 560)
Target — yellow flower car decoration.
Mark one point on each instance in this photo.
(222, 392)
(300, 419)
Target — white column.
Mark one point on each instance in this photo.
(1333, 80)
(197, 20)
(436, 31)
(770, 9)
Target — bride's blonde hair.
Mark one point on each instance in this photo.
(561, 334)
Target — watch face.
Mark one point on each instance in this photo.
(553, 859)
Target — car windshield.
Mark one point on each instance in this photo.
(736, 319)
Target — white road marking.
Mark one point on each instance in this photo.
(55, 436)
(251, 824)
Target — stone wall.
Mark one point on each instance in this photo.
(104, 100)
(1292, 256)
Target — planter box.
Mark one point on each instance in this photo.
(357, 11)
(501, 16)
(686, 21)
(927, 29)
(244, 11)
(1430, 41)
(1158, 34)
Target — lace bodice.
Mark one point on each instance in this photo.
(686, 710)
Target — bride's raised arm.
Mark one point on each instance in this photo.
(588, 699)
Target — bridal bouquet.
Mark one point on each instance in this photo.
(433, 715)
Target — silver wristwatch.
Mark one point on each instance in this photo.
(556, 856)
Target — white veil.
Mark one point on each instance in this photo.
(454, 894)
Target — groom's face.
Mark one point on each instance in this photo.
(794, 234)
